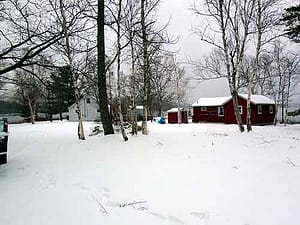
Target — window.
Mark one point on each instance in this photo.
(203, 108)
(241, 109)
(271, 110)
(259, 109)
(220, 111)
(88, 100)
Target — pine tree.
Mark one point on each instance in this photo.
(61, 91)
(292, 21)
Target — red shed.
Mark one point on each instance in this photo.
(173, 115)
(220, 109)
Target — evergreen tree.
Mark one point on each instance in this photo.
(60, 91)
(292, 21)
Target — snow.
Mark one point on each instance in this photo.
(212, 101)
(258, 99)
(178, 174)
(216, 101)
(174, 110)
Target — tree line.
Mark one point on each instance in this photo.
(246, 37)
(56, 50)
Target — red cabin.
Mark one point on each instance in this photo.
(173, 115)
(220, 109)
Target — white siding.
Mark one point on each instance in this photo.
(88, 110)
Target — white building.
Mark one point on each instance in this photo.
(89, 109)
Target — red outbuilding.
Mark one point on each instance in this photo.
(173, 115)
(220, 109)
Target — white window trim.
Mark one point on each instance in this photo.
(271, 111)
(241, 109)
(259, 109)
(219, 110)
(203, 108)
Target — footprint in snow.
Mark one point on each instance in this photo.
(105, 189)
(200, 215)
(157, 215)
(81, 186)
(175, 220)
(159, 143)
(235, 167)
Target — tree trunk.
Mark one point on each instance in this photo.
(133, 94)
(32, 114)
(256, 66)
(68, 49)
(275, 117)
(282, 107)
(231, 75)
(80, 130)
(238, 117)
(145, 70)
(103, 102)
(249, 125)
(118, 73)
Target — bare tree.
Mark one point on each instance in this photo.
(281, 76)
(132, 26)
(119, 48)
(75, 45)
(163, 75)
(266, 18)
(145, 70)
(27, 29)
(153, 39)
(233, 27)
(29, 88)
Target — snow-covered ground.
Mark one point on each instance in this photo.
(190, 174)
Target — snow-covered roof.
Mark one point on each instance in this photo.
(213, 101)
(174, 110)
(258, 99)
(139, 107)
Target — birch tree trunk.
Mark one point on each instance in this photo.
(253, 75)
(231, 76)
(68, 52)
(31, 109)
(118, 72)
(145, 70)
(133, 94)
(131, 21)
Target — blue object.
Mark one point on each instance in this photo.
(162, 120)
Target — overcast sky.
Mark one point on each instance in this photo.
(190, 45)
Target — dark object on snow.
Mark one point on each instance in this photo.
(3, 140)
(161, 120)
(96, 130)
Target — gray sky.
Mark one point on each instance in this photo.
(190, 45)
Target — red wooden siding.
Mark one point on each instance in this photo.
(173, 117)
(211, 115)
